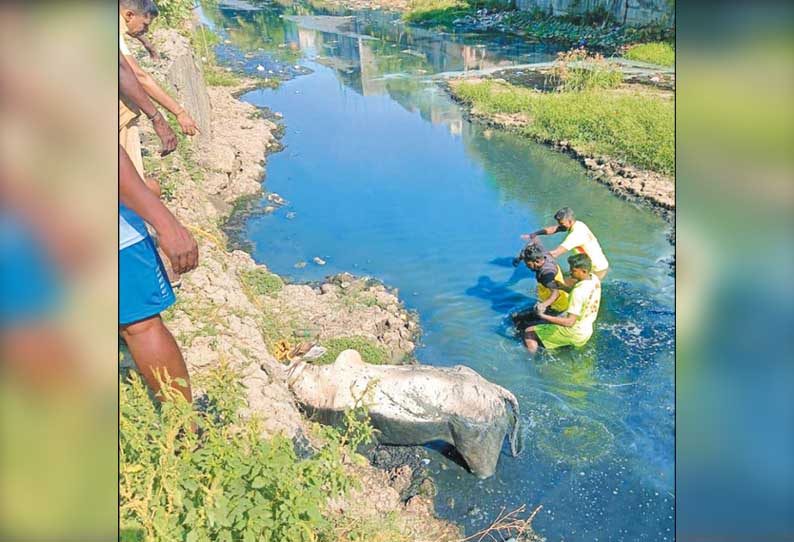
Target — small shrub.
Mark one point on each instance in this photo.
(370, 352)
(261, 282)
(659, 53)
(174, 13)
(225, 482)
(577, 70)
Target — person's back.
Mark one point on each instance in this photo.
(580, 239)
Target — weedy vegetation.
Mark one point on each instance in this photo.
(660, 53)
(195, 475)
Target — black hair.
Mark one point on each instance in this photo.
(566, 213)
(532, 252)
(141, 7)
(580, 261)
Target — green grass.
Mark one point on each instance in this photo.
(578, 70)
(635, 128)
(370, 352)
(443, 12)
(660, 53)
(261, 281)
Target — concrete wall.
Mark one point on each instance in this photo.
(633, 12)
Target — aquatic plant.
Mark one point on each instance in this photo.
(223, 481)
(660, 53)
(573, 439)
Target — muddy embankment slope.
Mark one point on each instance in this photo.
(232, 310)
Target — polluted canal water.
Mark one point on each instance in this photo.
(385, 177)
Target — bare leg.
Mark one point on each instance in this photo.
(154, 350)
(531, 340)
(601, 274)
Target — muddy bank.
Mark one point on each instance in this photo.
(232, 310)
(628, 182)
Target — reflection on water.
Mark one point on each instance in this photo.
(385, 177)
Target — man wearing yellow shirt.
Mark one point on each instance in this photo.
(579, 238)
(576, 326)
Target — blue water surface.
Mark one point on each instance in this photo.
(384, 177)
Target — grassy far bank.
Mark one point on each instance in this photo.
(635, 128)
(659, 53)
(442, 13)
(596, 28)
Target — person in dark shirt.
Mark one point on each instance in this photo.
(551, 283)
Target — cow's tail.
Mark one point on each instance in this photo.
(515, 444)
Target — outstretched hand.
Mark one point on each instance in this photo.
(187, 124)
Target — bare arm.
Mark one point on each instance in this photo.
(132, 89)
(565, 321)
(151, 87)
(551, 230)
(559, 251)
(177, 243)
(149, 47)
(543, 305)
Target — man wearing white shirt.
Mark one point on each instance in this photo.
(579, 239)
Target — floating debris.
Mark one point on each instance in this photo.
(300, 265)
(269, 209)
(291, 215)
(275, 198)
(260, 68)
(318, 260)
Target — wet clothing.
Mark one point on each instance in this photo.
(549, 278)
(581, 239)
(585, 300)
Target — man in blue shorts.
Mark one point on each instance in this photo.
(144, 290)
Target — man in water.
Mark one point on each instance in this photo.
(579, 239)
(576, 326)
(552, 292)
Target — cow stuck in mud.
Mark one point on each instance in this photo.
(415, 404)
